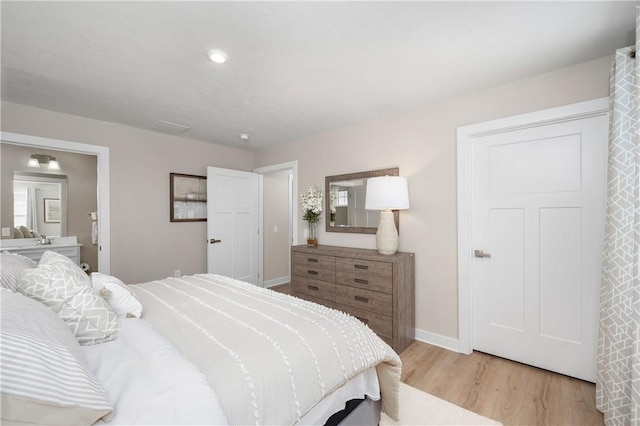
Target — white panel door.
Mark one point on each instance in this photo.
(538, 203)
(233, 224)
(360, 217)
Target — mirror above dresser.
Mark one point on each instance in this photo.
(345, 202)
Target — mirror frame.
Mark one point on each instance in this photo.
(394, 171)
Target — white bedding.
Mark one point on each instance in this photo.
(270, 357)
(149, 382)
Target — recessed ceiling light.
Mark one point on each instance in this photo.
(244, 137)
(218, 56)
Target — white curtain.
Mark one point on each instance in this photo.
(32, 209)
(618, 360)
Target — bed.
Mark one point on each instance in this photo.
(202, 349)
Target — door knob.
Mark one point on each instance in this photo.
(213, 241)
(481, 253)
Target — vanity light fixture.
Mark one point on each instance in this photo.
(38, 160)
(218, 56)
(387, 193)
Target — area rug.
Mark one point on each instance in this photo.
(420, 408)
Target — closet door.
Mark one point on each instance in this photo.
(538, 205)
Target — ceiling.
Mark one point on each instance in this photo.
(295, 68)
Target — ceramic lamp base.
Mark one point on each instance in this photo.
(387, 235)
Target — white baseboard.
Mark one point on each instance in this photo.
(438, 340)
(277, 281)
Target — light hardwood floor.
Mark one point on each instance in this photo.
(507, 391)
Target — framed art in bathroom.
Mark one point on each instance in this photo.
(52, 210)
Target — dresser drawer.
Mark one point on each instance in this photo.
(314, 260)
(372, 301)
(361, 280)
(324, 274)
(384, 269)
(380, 324)
(315, 288)
(319, 301)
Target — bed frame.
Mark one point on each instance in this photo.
(357, 412)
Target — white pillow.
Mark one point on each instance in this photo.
(11, 266)
(64, 287)
(45, 376)
(122, 300)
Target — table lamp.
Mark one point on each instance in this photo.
(387, 193)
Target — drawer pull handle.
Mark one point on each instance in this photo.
(361, 299)
(361, 266)
(312, 272)
(313, 287)
(364, 320)
(360, 281)
(312, 260)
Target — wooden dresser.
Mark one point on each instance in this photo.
(377, 289)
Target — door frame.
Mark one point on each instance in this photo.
(293, 211)
(465, 137)
(102, 154)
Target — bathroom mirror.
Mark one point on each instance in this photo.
(40, 203)
(345, 201)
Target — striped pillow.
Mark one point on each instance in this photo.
(45, 378)
(11, 266)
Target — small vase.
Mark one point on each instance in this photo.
(312, 236)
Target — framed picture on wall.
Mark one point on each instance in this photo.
(52, 210)
(188, 198)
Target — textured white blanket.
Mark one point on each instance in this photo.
(270, 357)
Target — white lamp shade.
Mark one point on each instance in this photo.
(387, 192)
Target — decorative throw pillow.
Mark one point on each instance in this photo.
(25, 232)
(17, 233)
(64, 287)
(45, 378)
(11, 266)
(120, 298)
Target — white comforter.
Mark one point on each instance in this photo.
(149, 382)
(270, 357)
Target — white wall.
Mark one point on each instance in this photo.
(423, 144)
(144, 244)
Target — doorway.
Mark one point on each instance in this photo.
(278, 218)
